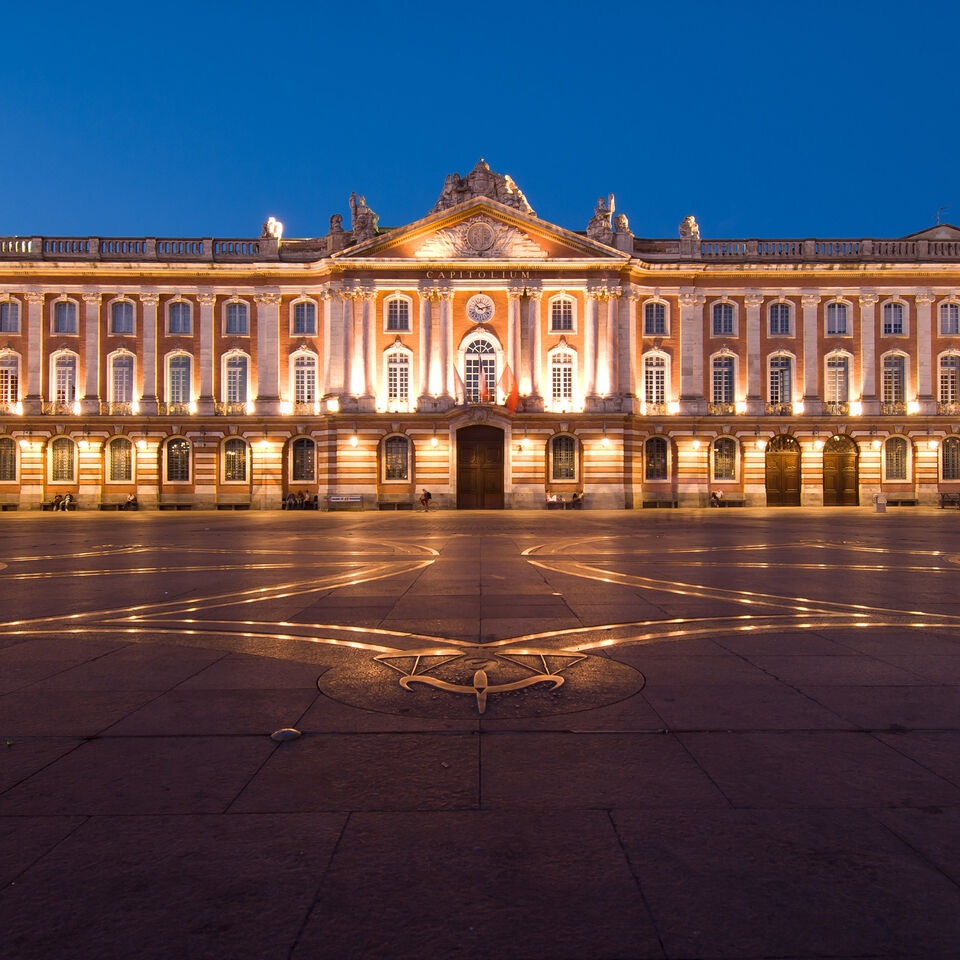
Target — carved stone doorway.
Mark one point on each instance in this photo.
(480, 468)
(783, 472)
(841, 481)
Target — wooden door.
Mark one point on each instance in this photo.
(480, 468)
(783, 472)
(841, 482)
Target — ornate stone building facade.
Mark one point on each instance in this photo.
(485, 354)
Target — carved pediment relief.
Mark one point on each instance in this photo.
(480, 236)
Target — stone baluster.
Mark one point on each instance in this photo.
(33, 400)
(206, 402)
(868, 353)
(91, 353)
(754, 308)
(268, 350)
(925, 359)
(148, 392)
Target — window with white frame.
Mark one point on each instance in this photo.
(837, 384)
(178, 460)
(179, 318)
(9, 378)
(8, 459)
(654, 378)
(303, 459)
(398, 377)
(561, 315)
(949, 319)
(62, 460)
(305, 378)
(398, 314)
(837, 319)
(121, 378)
(781, 379)
(234, 460)
(950, 459)
(480, 358)
(238, 318)
(9, 316)
(654, 319)
(120, 460)
(725, 459)
(779, 319)
(563, 457)
(723, 371)
(121, 317)
(64, 316)
(561, 376)
(895, 459)
(304, 318)
(894, 378)
(893, 319)
(655, 459)
(235, 375)
(950, 378)
(65, 379)
(180, 378)
(723, 319)
(396, 459)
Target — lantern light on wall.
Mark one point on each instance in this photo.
(354, 439)
(433, 440)
(605, 440)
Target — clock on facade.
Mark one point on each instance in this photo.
(480, 308)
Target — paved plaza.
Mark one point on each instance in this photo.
(584, 735)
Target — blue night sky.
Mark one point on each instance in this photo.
(200, 119)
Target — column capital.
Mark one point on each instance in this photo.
(207, 299)
(809, 300)
(753, 299)
(33, 296)
(598, 292)
(150, 299)
(692, 299)
(868, 299)
(92, 298)
(266, 299)
(923, 296)
(514, 293)
(534, 293)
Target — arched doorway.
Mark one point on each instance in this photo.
(841, 483)
(480, 468)
(783, 472)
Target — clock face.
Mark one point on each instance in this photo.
(480, 308)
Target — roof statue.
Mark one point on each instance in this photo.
(363, 220)
(600, 226)
(481, 181)
(690, 229)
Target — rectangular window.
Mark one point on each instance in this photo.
(398, 378)
(561, 314)
(9, 381)
(237, 380)
(123, 380)
(395, 450)
(892, 319)
(836, 389)
(179, 317)
(62, 456)
(837, 319)
(950, 453)
(398, 314)
(779, 319)
(65, 387)
(9, 317)
(950, 319)
(893, 380)
(304, 318)
(121, 460)
(950, 380)
(237, 318)
(654, 319)
(896, 458)
(655, 380)
(121, 319)
(725, 459)
(304, 381)
(180, 380)
(722, 319)
(781, 390)
(564, 458)
(8, 459)
(723, 380)
(561, 375)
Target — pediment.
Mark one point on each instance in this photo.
(481, 229)
(942, 231)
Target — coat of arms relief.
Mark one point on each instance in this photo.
(480, 237)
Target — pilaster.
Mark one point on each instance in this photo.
(423, 358)
(691, 353)
(534, 299)
(513, 329)
(925, 359)
(627, 368)
(148, 392)
(868, 354)
(33, 398)
(268, 348)
(754, 303)
(590, 344)
(205, 402)
(90, 405)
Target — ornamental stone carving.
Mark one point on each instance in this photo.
(481, 237)
(362, 219)
(481, 181)
(690, 229)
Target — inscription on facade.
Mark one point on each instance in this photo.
(478, 274)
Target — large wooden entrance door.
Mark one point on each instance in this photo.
(480, 468)
(783, 472)
(841, 482)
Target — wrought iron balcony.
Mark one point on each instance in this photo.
(57, 408)
(721, 409)
(948, 409)
(115, 409)
(893, 409)
(836, 408)
(224, 409)
(173, 409)
(779, 409)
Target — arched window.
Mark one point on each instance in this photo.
(655, 458)
(121, 317)
(9, 316)
(779, 319)
(9, 378)
(235, 378)
(398, 378)
(303, 459)
(722, 319)
(178, 317)
(949, 319)
(396, 458)
(654, 319)
(893, 378)
(62, 456)
(64, 316)
(563, 458)
(895, 459)
(837, 319)
(781, 379)
(398, 314)
(480, 356)
(725, 459)
(561, 315)
(837, 385)
(304, 318)
(305, 378)
(892, 318)
(950, 378)
(8, 459)
(950, 458)
(238, 321)
(65, 378)
(723, 369)
(234, 460)
(121, 378)
(178, 460)
(120, 460)
(561, 377)
(180, 378)
(654, 378)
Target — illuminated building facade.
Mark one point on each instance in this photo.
(485, 354)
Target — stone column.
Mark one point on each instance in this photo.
(610, 337)
(364, 378)
(590, 351)
(691, 353)
(33, 399)
(754, 304)
(812, 398)
(926, 362)
(627, 365)
(535, 400)
(91, 354)
(268, 354)
(148, 392)
(445, 345)
(868, 354)
(346, 297)
(423, 359)
(206, 402)
(513, 329)
(326, 302)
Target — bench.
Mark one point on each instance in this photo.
(390, 503)
(48, 505)
(309, 504)
(233, 501)
(660, 500)
(176, 501)
(731, 500)
(9, 504)
(949, 500)
(901, 501)
(351, 501)
(110, 505)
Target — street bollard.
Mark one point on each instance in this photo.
(880, 503)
